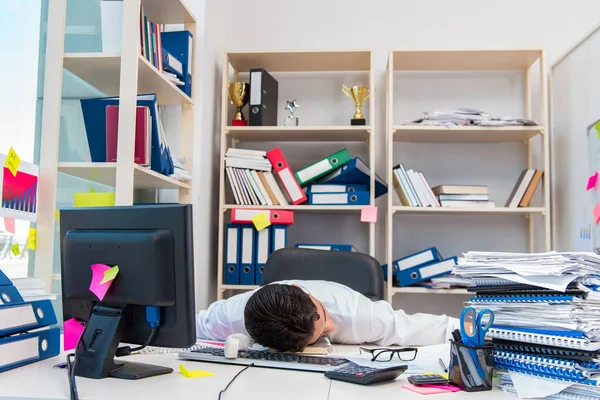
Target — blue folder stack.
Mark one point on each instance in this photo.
(546, 311)
(351, 174)
(25, 332)
(419, 267)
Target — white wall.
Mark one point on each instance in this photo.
(383, 25)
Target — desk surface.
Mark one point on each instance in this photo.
(41, 381)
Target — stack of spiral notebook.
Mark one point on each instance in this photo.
(546, 313)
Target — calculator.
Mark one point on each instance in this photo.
(354, 373)
(432, 379)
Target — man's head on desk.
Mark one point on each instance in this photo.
(286, 318)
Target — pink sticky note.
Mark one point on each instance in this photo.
(448, 388)
(423, 389)
(9, 224)
(597, 213)
(73, 331)
(368, 214)
(99, 289)
(592, 181)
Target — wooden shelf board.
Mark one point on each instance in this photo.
(299, 133)
(168, 12)
(415, 133)
(239, 287)
(417, 289)
(298, 208)
(470, 210)
(103, 70)
(302, 61)
(464, 60)
(105, 173)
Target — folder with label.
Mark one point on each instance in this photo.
(232, 254)
(244, 216)
(286, 176)
(330, 247)
(395, 271)
(10, 295)
(264, 92)
(422, 257)
(279, 237)
(180, 45)
(248, 260)
(421, 273)
(332, 188)
(322, 167)
(330, 199)
(27, 348)
(263, 249)
(355, 171)
(19, 317)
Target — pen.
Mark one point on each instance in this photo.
(443, 365)
(60, 365)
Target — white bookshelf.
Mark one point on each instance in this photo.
(330, 64)
(531, 63)
(125, 75)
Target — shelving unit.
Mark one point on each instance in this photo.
(125, 75)
(466, 60)
(297, 62)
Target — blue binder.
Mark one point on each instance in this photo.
(420, 258)
(172, 64)
(4, 281)
(180, 44)
(9, 295)
(395, 271)
(425, 272)
(333, 188)
(279, 239)
(330, 247)
(331, 199)
(94, 118)
(353, 172)
(30, 347)
(248, 261)
(26, 316)
(232, 254)
(263, 248)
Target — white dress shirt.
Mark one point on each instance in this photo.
(358, 319)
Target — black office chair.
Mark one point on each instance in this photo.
(358, 271)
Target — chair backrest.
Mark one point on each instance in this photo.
(358, 271)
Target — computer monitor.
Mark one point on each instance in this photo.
(152, 245)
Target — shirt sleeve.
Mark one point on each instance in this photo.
(222, 318)
(384, 326)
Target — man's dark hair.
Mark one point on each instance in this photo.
(281, 317)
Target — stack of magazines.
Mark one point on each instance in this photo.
(467, 116)
(546, 328)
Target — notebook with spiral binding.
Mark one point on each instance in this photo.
(556, 352)
(525, 299)
(565, 339)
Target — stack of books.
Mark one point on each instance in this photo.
(546, 308)
(26, 335)
(467, 117)
(524, 188)
(419, 267)
(463, 196)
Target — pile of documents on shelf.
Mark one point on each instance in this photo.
(467, 116)
(546, 328)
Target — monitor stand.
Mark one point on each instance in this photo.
(96, 349)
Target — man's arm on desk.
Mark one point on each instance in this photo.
(222, 318)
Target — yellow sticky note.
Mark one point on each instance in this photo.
(15, 249)
(94, 199)
(445, 375)
(598, 129)
(31, 239)
(56, 214)
(92, 190)
(12, 161)
(196, 373)
(261, 221)
(110, 274)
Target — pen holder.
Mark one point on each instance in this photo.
(471, 367)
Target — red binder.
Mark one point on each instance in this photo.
(143, 134)
(277, 217)
(286, 176)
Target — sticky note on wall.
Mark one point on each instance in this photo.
(32, 239)
(597, 213)
(12, 161)
(592, 181)
(93, 199)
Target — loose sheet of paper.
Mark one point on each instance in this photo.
(529, 386)
(96, 287)
(73, 331)
(368, 214)
(551, 282)
(261, 221)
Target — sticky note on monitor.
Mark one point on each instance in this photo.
(110, 274)
(72, 332)
(96, 287)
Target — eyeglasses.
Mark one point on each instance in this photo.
(385, 354)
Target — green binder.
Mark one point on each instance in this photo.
(323, 167)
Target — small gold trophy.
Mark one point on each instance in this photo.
(358, 94)
(239, 94)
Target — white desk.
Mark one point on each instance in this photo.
(41, 381)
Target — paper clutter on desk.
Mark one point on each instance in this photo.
(72, 332)
(96, 286)
(195, 373)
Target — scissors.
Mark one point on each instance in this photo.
(474, 326)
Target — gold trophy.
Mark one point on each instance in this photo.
(239, 94)
(358, 94)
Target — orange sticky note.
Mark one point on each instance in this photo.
(12, 161)
(15, 250)
(9, 224)
(597, 213)
(195, 373)
(110, 274)
(73, 331)
(32, 239)
(368, 214)
(261, 221)
(99, 289)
